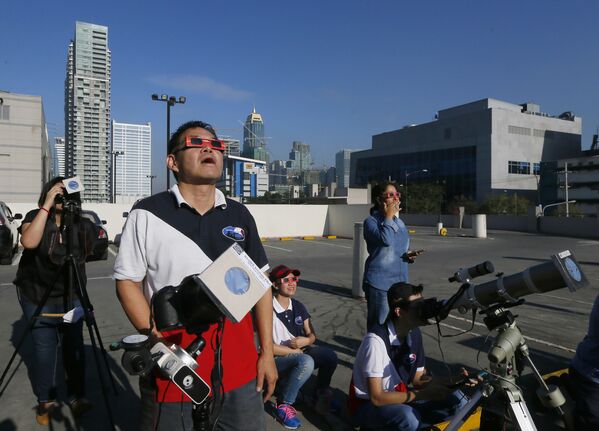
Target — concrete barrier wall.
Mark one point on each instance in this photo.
(576, 227)
(341, 219)
(318, 220)
(290, 220)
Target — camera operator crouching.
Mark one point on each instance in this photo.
(42, 267)
(177, 233)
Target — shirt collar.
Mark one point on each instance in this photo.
(393, 339)
(278, 308)
(219, 197)
(381, 216)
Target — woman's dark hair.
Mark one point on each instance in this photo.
(46, 188)
(376, 194)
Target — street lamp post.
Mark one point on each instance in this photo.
(407, 175)
(151, 177)
(115, 154)
(170, 101)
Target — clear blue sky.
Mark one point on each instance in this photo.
(330, 73)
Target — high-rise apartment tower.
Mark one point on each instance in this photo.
(87, 111)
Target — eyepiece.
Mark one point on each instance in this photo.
(465, 274)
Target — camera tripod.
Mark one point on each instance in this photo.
(74, 285)
(500, 397)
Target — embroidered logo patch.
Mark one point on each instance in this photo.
(235, 233)
(412, 358)
(299, 321)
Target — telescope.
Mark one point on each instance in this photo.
(501, 398)
(561, 271)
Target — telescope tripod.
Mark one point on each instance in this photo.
(500, 397)
(74, 285)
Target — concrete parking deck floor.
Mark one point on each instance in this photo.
(553, 323)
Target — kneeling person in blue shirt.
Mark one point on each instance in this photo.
(390, 388)
(296, 356)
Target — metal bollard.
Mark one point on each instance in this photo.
(360, 255)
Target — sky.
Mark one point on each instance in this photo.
(330, 73)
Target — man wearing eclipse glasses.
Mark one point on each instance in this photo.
(177, 233)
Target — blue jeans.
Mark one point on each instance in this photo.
(325, 361)
(242, 409)
(408, 417)
(377, 306)
(296, 370)
(48, 334)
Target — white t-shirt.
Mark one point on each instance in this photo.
(372, 360)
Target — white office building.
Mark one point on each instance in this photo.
(476, 149)
(132, 161)
(87, 111)
(58, 156)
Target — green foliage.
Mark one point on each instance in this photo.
(424, 198)
(470, 206)
(505, 204)
(574, 211)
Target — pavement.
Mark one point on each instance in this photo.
(553, 323)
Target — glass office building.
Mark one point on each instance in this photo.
(254, 143)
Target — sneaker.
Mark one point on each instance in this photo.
(43, 411)
(287, 415)
(79, 406)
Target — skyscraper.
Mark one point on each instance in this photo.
(254, 144)
(342, 165)
(300, 159)
(87, 110)
(132, 166)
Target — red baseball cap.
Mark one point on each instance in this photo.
(281, 271)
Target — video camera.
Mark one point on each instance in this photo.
(71, 198)
(229, 287)
(563, 270)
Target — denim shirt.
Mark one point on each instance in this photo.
(386, 241)
(586, 360)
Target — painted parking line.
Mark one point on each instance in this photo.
(112, 251)
(276, 248)
(587, 243)
(567, 299)
(536, 340)
(326, 243)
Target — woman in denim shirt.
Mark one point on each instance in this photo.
(388, 243)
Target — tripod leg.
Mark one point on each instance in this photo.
(519, 412)
(90, 322)
(464, 413)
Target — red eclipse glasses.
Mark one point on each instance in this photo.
(290, 279)
(197, 142)
(392, 195)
